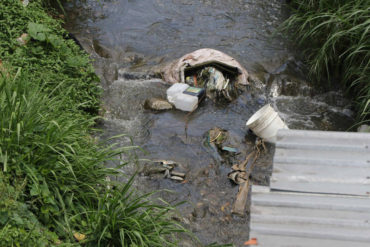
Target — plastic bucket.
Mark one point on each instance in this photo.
(265, 123)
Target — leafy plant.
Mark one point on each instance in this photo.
(49, 97)
(128, 219)
(19, 226)
(63, 67)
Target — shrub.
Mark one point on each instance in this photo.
(59, 63)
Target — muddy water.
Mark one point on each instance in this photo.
(128, 38)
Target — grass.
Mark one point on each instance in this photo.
(53, 183)
(335, 38)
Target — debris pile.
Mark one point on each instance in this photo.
(219, 140)
(175, 71)
(218, 85)
(240, 175)
(204, 72)
(165, 167)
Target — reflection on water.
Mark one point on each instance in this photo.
(170, 28)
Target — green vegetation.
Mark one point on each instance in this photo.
(335, 37)
(53, 186)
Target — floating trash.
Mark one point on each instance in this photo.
(265, 123)
(219, 74)
(184, 97)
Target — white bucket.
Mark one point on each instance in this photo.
(265, 123)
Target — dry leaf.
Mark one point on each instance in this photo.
(225, 206)
(79, 236)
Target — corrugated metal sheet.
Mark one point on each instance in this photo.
(305, 219)
(322, 162)
(320, 192)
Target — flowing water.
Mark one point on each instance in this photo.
(127, 38)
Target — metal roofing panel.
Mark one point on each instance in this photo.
(322, 162)
(286, 241)
(305, 219)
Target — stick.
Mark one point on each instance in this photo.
(242, 196)
(241, 199)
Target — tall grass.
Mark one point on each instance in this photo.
(65, 177)
(52, 171)
(335, 38)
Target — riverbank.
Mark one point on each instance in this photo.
(53, 180)
(335, 37)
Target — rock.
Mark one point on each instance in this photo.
(157, 104)
(178, 174)
(130, 75)
(101, 50)
(176, 178)
(200, 210)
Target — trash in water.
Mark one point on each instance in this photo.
(185, 102)
(230, 149)
(167, 174)
(219, 74)
(174, 72)
(184, 97)
(174, 90)
(164, 167)
(177, 178)
(166, 163)
(178, 174)
(220, 138)
(252, 241)
(222, 144)
(195, 91)
(241, 199)
(240, 175)
(237, 177)
(265, 123)
(216, 84)
(217, 136)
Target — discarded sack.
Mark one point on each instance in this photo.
(213, 70)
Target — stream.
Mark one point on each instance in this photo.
(128, 39)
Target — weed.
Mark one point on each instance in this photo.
(335, 37)
(47, 86)
(61, 65)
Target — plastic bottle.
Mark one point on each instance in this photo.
(185, 102)
(174, 90)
